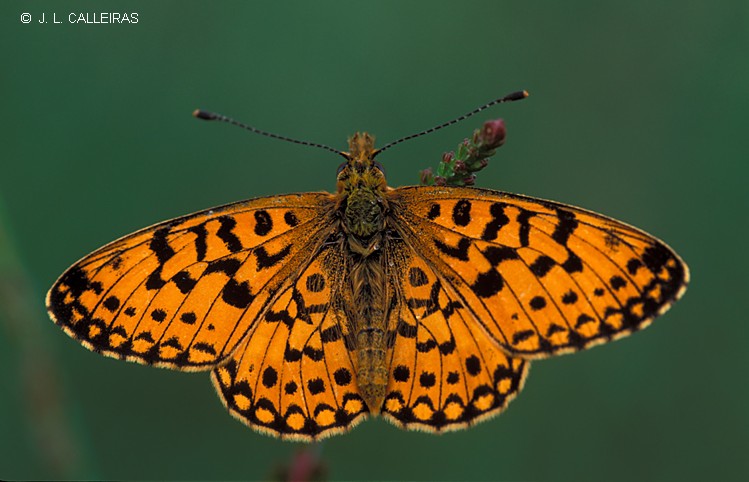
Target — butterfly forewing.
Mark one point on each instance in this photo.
(538, 276)
(184, 293)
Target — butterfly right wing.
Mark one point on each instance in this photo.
(184, 293)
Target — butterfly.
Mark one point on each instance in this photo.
(422, 304)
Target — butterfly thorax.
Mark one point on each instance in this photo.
(361, 186)
(363, 209)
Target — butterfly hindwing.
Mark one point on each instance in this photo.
(540, 277)
(183, 293)
(294, 376)
(446, 373)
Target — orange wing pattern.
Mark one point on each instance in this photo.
(294, 376)
(479, 282)
(540, 277)
(185, 292)
(445, 373)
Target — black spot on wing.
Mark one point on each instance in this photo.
(228, 266)
(523, 219)
(330, 334)
(542, 265)
(495, 255)
(313, 354)
(633, 265)
(447, 347)
(427, 379)
(434, 211)
(265, 260)
(111, 303)
(342, 377)
(521, 336)
(185, 283)
(154, 281)
(316, 386)
(462, 213)
(160, 246)
(617, 282)
(226, 234)
(569, 297)
(263, 223)
(458, 252)
(488, 284)
(279, 316)
(290, 219)
(583, 319)
(473, 365)
(78, 282)
(499, 219)
(201, 244)
(537, 303)
(566, 226)
(158, 315)
(145, 335)
(572, 264)
(237, 294)
(188, 318)
(426, 346)
(401, 373)
(554, 329)
(204, 347)
(173, 342)
(270, 377)
(292, 354)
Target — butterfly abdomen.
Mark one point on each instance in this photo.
(367, 282)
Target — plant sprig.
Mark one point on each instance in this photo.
(459, 168)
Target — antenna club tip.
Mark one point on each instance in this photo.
(201, 114)
(519, 95)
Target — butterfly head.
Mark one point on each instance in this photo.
(360, 171)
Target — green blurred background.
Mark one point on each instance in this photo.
(638, 110)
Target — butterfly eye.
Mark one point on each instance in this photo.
(341, 167)
(379, 166)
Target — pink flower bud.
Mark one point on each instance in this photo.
(493, 133)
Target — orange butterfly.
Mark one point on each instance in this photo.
(424, 304)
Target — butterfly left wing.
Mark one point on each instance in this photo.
(539, 277)
(184, 293)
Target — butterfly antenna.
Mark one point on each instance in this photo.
(522, 94)
(210, 116)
